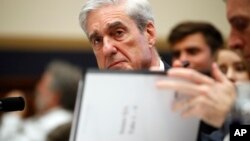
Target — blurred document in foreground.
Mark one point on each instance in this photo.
(127, 106)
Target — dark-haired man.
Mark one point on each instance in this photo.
(196, 43)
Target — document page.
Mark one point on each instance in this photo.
(129, 107)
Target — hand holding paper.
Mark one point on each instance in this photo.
(211, 99)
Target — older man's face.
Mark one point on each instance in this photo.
(116, 40)
(238, 14)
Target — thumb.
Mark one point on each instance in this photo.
(217, 74)
(177, 64)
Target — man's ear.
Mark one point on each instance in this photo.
(150, 33)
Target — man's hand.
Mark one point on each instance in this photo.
(211, 99)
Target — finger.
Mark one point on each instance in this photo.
(180, 105)
(196, 107)
(177, 64)
(205, 110)
(181, 87)
(190, 102)
(190, 75)
(217, 74)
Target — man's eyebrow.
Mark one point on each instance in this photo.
(109, 26)
(237, 17)
(114, 24)
(192, 47)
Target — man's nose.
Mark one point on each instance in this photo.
(180, 61)
(235, 41)
(109, 47)
(183, 57)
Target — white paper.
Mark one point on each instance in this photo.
(129, 107)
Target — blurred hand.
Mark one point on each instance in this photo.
(210, 99)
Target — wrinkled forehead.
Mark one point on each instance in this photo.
(105, 17)
(238, 7)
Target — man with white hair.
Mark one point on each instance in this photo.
(122, 34)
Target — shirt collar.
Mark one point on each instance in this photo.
(161, 68)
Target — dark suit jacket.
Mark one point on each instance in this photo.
(166, 65)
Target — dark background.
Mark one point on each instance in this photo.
(22, 69)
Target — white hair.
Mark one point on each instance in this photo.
(139, 10)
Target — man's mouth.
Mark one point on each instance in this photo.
(114, 64)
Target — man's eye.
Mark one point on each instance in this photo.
(118, 33)
(193, 51)
(96, 41)
(240, 24)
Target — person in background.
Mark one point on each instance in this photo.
(233, 65)
(238, 15)
(54, 102)
(216, 97)
(57, 87)
(195, 42)
(122, 34)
